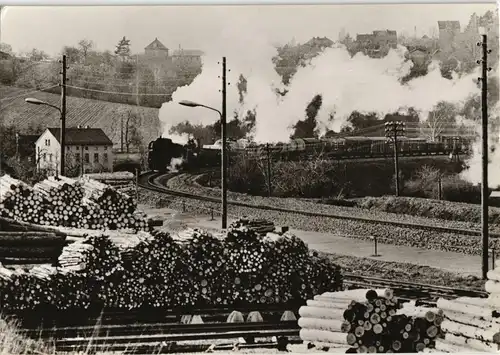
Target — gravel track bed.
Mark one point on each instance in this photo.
(351, 229)
(187, 183)
(355, 265)
(404, 271)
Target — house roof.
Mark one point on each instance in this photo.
(83, 136)
(187, 53)
(156, 45)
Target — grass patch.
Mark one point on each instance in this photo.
(13, 342)
(414, 206)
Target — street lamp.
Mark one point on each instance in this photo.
(34, 101)
(223, 155)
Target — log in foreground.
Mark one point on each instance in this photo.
(371, 322)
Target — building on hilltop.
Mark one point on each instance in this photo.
(89, 149)
(187, 56)
(378, 43)
(156, 49)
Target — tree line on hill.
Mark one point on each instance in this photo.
(105, 73)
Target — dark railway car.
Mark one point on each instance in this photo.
(161, 152)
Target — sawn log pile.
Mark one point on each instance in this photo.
(368, 321)
(192, 269)
(65, 202)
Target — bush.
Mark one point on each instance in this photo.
(428, 208)
(425, 184)
(322, 178)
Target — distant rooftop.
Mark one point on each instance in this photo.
(156, 44)
(83, 136)
(187, 53)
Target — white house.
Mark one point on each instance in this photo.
(85, 147)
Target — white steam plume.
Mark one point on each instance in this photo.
(473, 173)
(346, 84)
(358, 84)
(248, 54)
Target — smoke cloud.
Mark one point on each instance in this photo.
(346, 84)
(247, 54)
(473, 173)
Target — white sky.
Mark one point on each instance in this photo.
(201, 27)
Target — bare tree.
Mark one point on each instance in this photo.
(85, 46)
(438, 120)
(132, 136)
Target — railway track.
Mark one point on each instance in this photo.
(406, 290)
(152, 181)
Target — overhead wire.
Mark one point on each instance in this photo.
(27, 93)
(114, 92)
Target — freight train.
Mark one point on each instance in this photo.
(163, 152)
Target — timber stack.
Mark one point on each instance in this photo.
(193, 269)
(259, 226)
(473, 324)
(368, 321)
(30, 247)
(470, 325)
(122, 181)
(64, 202)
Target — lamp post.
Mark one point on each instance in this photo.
(63, 124)
(223, 156)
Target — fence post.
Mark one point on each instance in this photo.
(492, 252)
(268, 170)
(440, 192)
(212, 213)
(183, 206)
(374, 238)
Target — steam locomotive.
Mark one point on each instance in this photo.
(162, 151)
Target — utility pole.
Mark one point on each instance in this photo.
(121, 134)
(269, 187)
(393, 130)
(484, 184)
(224, 144)
(63, 114)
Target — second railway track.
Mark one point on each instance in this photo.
(151, 181)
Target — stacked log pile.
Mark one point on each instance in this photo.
(368, 321)
(473, 324)
(192, 269)
(470, 325)
(65, 202)
(260, 226)
(30, 247)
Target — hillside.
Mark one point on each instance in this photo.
(84, 112)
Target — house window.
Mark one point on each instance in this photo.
(77, 157)
(47, 142)
(87, 158)
(105, 148)
(96, 157)
(50, 157)
(105, 156)
(86, 148)
(44, 157)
